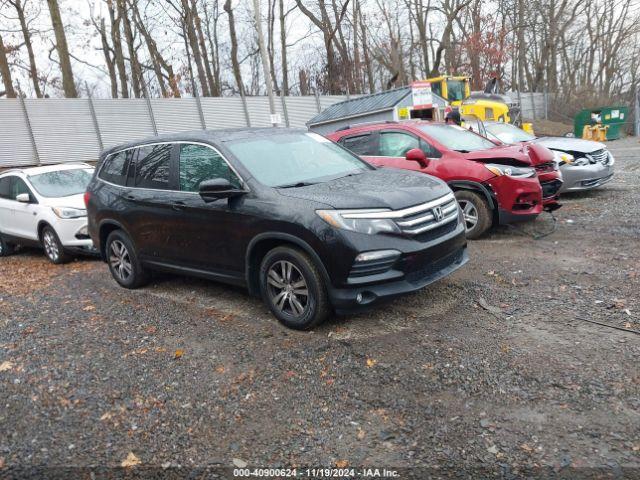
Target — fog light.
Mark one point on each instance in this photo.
(83, 231)
(377, 255)
(359, 298)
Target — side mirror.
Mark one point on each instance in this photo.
(417, 155)
(23, 198)
(212, 190)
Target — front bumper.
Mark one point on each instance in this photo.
(72, 233)
(579, 178)
(519, 199)
(412, 271)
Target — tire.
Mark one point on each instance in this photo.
(282, 291)
(52, 246)
(478, 215)
(6, 249)
(122, 258)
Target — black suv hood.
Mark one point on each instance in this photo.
(384, 188)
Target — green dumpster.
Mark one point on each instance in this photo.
(614, 117)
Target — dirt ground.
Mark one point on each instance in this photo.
(493, 372)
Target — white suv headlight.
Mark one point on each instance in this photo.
(371, 226)
(69, 212)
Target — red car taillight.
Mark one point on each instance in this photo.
(87, 197)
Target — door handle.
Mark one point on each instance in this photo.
(178, 206)
(130, 197)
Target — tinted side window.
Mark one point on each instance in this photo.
(18, 186)
(152, 167)
(5, 187)
(358, 144)
(199, 163)
(396, 144)
(429, 150)
(114, 169)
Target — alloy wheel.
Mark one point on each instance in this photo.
(51, 246)
(287, 288)
(470, 213)
(119, 260)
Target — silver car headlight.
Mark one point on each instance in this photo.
(581, 162)
(498, 170)
(371, 226)
(69, 212)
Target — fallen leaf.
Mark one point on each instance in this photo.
(106, 416)
(220, 369)
(360, 435)
(371, 362)
(151, 329)
(342, 464)
(489, 308)
(89, 308)
(1, 462)
(239, 463)
(178, 354)
(130, 461)
(493, 449)
(4, 366)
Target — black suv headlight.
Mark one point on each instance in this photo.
(352, 220)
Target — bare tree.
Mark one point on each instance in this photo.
(5, 71)
(234, 47)
(62, 48)
(26, 34)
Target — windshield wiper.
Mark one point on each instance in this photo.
(296, 185)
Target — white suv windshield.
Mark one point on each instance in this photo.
(294, 159)
(457, 138)
(62, 183)
(507, 133)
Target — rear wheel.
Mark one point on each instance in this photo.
(477, 214)
(293, 288)
(6, 249)
(123, 261)
(53, 248)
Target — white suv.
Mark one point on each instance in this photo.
(44, 206)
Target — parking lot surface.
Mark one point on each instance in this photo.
(496, 368)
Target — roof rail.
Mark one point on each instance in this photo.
(347, 127)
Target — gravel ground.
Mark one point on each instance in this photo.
(493, 371)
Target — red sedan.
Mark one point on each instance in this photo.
(493, 184)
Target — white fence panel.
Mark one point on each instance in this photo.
(223, 112)
(16, 148)
(301, 110)
(122, 120)
(174, 115)
(63, 129)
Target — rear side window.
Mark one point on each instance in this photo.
(199, 163)
(358, 144)
(152, 167)
(114, 169)
(5, 187)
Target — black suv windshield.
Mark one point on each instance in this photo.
(457, 138)
(295, 159)
(62, 183)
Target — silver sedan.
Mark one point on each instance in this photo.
(584, 164)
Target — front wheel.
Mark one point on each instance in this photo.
(6, 249)
(477, 214)
(293, 288)
(53, 248)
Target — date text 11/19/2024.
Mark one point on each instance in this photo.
(311, 473)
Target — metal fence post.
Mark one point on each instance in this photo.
(532, 100)
(31, 135)
(546, 104)
(200, 112)
(151, 117)
(246, 110)
(637, 112)
(318, 106)
(94, 117)
(284, 109)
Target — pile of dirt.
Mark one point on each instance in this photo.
(550, 128)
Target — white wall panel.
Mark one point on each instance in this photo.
(15, 142)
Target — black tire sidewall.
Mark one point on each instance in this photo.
(6, 249)
(137, 277)
(485, 219)
(311, 315)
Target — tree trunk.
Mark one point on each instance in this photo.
(203, 49)
(111, 67)
(195, 48)
(366, 55)
(139, 87)
(117, 49)
(283, 48)
(234, 47)
(63, 50)
(212, 37)
(33, 71)
(5, 71)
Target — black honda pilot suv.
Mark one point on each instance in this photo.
(292, 216)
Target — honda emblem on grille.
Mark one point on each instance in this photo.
(437, 213)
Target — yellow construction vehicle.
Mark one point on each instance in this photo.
(487, 105)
